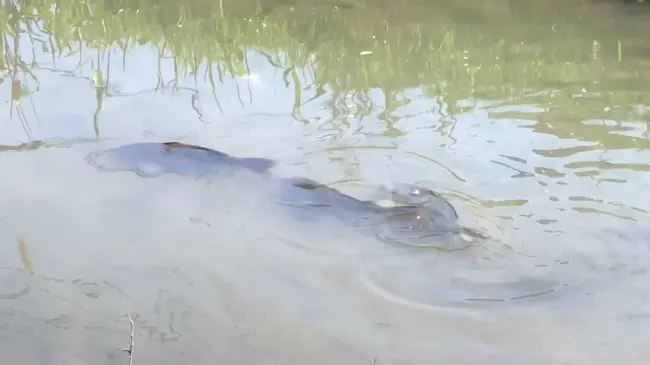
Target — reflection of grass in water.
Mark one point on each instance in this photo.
(345, 50)
(341, 48)
(12, 67)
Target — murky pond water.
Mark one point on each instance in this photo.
(532, 119)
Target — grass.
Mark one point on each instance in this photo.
(347, 48)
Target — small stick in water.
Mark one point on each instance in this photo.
(130, 348)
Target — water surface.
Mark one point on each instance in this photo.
(531, 118)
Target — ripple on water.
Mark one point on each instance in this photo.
(446, 280)
(487, 271)
(494, 273)
(590, 267)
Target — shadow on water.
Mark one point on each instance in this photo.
(530, 117)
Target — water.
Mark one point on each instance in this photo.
(531, 118)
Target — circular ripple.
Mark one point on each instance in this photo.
(459, 280)
(485, 272)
